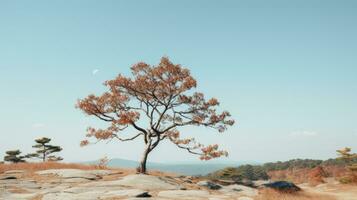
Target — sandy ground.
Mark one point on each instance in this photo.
(334, 189)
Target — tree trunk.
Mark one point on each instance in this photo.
(142, 166)
(44, 154)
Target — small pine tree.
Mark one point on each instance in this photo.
(45, 149)
(14, 156)
(346, 155)
(349, 158)
(54, 158)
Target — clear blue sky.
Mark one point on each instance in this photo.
(287, 71)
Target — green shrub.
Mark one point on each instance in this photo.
(244, 172)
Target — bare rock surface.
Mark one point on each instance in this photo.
(15, 196)
(244, 198)
(71, 196)
(184, 194)
(244, 190)
(15, 172)
(75, 184)
(148, 182)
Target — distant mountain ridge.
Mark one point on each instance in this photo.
(184, 168)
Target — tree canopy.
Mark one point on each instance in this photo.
(156, 101)
(14, 156)
(45, 150)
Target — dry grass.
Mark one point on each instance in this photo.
(269, 194)
(44, 166)
(335, 171)
(293, 175)
(313, 176)
(33, 167)
(37, 197)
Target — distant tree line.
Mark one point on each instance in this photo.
(44, 152)
(260, 172)
(306, 163)
(292, 164)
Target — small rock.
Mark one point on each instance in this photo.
(7, 177)
(209, 185)
(125, 193)
(144, 194)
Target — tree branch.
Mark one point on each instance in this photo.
(127, 139)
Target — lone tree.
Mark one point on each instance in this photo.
(155, 102)
(44, 150)
(14, 156)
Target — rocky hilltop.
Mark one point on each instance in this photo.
(77, 184)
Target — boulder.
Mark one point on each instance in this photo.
(209, 185)
(283, 186)
(241, 189)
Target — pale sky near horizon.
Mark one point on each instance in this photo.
(286, 70)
